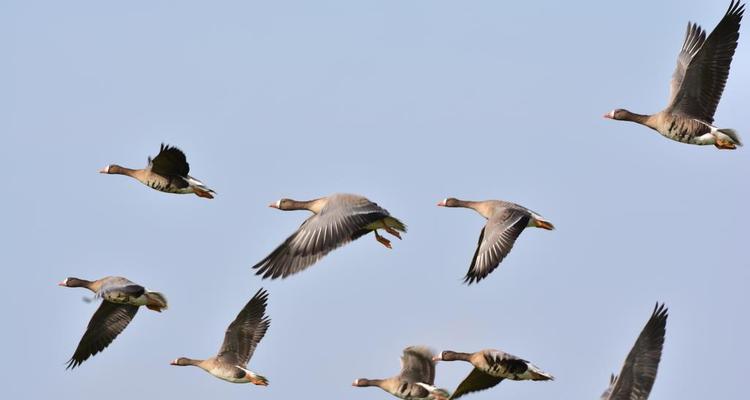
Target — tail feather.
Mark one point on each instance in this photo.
(254, 378)
(395, 224)
(435, 392)
(732, 135)
(203, 193)
(540, 223)
(156, 301)
(539, 375)
(199, 188)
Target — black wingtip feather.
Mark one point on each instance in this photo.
(661, 312)
(72, 363)
(262, 296)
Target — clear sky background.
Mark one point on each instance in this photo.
(405, 102)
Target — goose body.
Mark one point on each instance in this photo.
(490, 368)
(121, 299)
(416, 379)
(697, 85)
(167, 172)
(225, 371)
(638, 373)
(505, 222)
(337, 220)
(240, 340)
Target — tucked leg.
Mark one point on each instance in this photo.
(392, 231)
(724, 144)
(203, 193)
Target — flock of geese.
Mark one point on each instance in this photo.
(697, 85)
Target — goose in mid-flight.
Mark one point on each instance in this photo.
(638, 374)
(337, 220)
(240, 340)
(121, 299)
(416, 379)
(697, 84)
(505, 222)
(490, 368)
(167, 172)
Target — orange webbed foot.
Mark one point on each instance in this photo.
(385, 242)
(724, 144)
(203, 193)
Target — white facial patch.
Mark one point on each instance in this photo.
(278, 203)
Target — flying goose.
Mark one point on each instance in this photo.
(505, 222)
(697, 84)
(490, 368)
(240, 341)
(167, 172)
(121, 299)
(638, 374)
(416, 379)
(337, 220)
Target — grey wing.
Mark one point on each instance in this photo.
(334, 226)
(172, 164)
(108, 321)
(474, 382)
(694, 38)
(705, 67)
(495, 242)
(417, 365)
(639, 371)
(246, 331)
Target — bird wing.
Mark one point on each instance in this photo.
(703, 66)
(337, 223)
(639, 371)
(113, 285)
(246, 331)
(170, 161)
(510, 363)
(108, 321)
(608, 392)
(417, 365)
(474, 382)
(495, 242)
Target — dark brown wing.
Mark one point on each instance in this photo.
(701, 75)
(639, 371)
(608, 392)
(246, 331)
(495, 242)
(170, 161)
(336, 225)
(108, 321)
(476, 381)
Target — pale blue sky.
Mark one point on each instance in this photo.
(405, 102)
